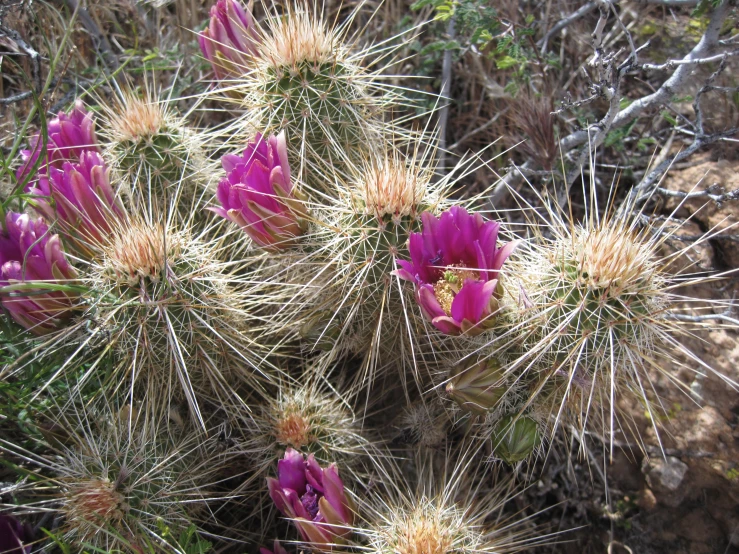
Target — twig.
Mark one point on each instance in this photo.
(574, 16)
(723, 316)
(673, 85)
(678, 3)
(29, 51)
(718, 198)
(643, 189)
(674, 63)
(15, 98)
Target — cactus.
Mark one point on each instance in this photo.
(176, 317)
(299, 75)
(115, 476)
(306, 414)
(438, 513)
(153, 150)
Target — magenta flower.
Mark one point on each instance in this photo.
(257, 194)
(83, 199)
(277, 549)
(29, 253)
(313, 497)
(230, 41)
(68, 137)
(454, 264)
(14, 536)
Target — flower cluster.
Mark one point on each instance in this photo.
(314, 498)
(230, 41)
(455, 265)
(257, 194)
(69, 135)
(73, 186)
(30, 255)
(83, 199)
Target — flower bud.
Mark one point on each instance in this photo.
(257, 194)
(515, 438)
(479, 388)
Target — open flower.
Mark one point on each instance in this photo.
(313, 497)
(230, 41)
(454, 264)
(257, 194)
(83, 199)
(69, 135)
(30, 255)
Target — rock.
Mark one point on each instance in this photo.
(664, 477)
(666, 473)
(646, 500)
(718, 177)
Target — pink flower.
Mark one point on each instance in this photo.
(83, 199)
(313, 498)
(30, 254)
(68, 137)
(230, 41)
(257, 194)
(454, 264)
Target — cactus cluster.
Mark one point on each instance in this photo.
(328, 308)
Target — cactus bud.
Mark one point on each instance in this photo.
(515, 438)
(479, 388)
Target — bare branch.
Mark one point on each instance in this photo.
(673, 63)
(673, 85)
(15, 98)
(581, 12)
(29, 51)
(717, 198)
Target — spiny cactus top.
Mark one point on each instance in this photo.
(29, 253)
(257, 193)
(230, 40)
(69, 135)
(454, 264)
(312, 495)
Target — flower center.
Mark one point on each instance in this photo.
(310, 501)
(446, 288)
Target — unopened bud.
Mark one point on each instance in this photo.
(515, 438)
(479, 388)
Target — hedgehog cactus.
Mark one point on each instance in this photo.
(297, 74)
(307, 415)
(178, 321)
(353, 308)
(152, 148)
(115, 479)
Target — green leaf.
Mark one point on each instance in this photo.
(506, 62)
